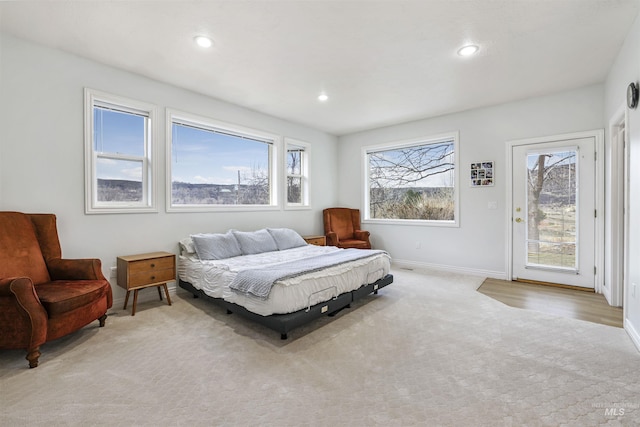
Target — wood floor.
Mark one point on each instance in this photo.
(570, 303)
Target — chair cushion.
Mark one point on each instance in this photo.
(62, 296)
(20, 254)
(357, 244)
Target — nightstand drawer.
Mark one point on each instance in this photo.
(147, 277)
(154, 264)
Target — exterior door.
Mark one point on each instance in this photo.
(553, 212)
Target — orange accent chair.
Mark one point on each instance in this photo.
(42, 295)
(342, 228)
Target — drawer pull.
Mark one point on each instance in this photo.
(153, 277)
(153, 265)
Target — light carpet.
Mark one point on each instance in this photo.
(427, 350)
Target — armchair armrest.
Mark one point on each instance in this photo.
(75, 269)
(20, 288)
(361, 234)
(332, 238)
(26, 309)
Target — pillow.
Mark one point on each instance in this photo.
(186, 246)
(286, 238)
(216, 246)
(255, 242)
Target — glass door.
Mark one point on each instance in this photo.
(554, 212)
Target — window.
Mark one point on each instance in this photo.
(216, 166)
(297, 173)
(118, 167)
(412, 181)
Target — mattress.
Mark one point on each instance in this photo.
(289, 295)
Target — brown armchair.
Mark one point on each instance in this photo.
(42, 296)
(342, 228)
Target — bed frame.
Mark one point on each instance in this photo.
(284, 323)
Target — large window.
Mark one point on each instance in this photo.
(118, 154)
(216, 166)
(412, 181)
(297, 173)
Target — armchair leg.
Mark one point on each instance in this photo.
(32, 356)
(102, 319)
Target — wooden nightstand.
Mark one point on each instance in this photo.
(315, 240)
(136, 272)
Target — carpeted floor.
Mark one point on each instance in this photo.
(428, 350)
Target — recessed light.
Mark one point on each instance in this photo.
(323, 97)
(468, 50)
(203, 41)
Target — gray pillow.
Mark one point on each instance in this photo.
(286, 238)
(216, 246)
(186, 246)
(255, 242)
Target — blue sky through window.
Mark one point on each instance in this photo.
(201, 156)
(118, 132)
(428, 165)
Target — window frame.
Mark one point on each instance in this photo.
(304, 174)
(94, 98)
(207, 123)
(414, 142)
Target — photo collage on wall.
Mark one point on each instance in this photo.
(482, 174)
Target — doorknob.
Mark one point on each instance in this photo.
(518, 219)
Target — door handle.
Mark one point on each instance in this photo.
(518, 219)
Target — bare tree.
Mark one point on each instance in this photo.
(403, 168)
(253, 188)
(294, 184)
(548, 171)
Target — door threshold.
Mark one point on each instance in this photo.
(554, 285)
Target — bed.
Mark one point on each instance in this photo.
(272, 276)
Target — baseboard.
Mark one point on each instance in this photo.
(399, 263)
(633, 333)
(606, 291)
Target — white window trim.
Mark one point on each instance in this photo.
(213, 124)
(92, 206)
(455, 136)
(305, 170)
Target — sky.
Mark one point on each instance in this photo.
(198, 156)
(437, 180)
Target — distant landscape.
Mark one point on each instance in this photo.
(183, 193)
(119, 190)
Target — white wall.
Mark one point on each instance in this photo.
(626, 69)
(479, 244)
(42, 160)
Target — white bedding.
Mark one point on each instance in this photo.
(214, 276)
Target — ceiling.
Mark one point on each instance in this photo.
(380, 62)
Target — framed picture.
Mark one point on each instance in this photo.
(482, 174)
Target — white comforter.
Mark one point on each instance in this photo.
(213, 277)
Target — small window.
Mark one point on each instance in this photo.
(297, 173)
(412, 181)
(118, 148)
(216, 166)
